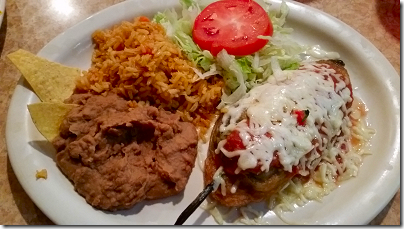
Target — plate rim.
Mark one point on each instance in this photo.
(3, 10)
(44, 53)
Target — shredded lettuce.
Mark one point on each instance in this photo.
(239, 73)
(233, 74)
(187, 3)
(180, 31)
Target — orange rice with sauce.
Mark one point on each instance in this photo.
(137, 60)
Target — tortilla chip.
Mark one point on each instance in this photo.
(48, 117)
(51, 81)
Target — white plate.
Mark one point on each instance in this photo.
(2, 10)
(356, 202)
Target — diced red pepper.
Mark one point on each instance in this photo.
(301, 116)
(295, 169)
(275, 160)
(234, 142)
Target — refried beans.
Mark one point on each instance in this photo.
(117, 156)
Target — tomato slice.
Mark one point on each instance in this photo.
(232, 25)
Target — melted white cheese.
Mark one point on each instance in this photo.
(316, 52)
(234, 187)
(219, 181)
(270, 107)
